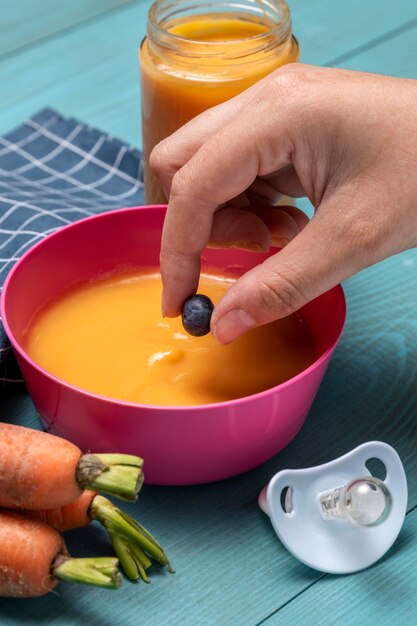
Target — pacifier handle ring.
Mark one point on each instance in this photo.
(385, 453)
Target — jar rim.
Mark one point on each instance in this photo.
(162, 11)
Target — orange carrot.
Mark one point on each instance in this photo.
(33, 558)
(42, 471)
(132, 543)
(67, 517)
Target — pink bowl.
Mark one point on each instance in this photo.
(180, 445)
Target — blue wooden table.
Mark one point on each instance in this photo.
(81, 58)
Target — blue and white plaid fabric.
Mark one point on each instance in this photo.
(54, 171)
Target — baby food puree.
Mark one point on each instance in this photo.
(108, 337)
(192, 61)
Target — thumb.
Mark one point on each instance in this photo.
(318, 258)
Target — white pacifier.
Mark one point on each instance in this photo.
(337, 517)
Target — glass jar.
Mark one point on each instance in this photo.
(199, 53)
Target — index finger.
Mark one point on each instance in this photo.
(222, 168)
(177, 149)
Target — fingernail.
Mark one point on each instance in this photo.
(280, 242)
(232, 324)
(260, 244)
(253, 246)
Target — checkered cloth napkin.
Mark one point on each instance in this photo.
(54, 171)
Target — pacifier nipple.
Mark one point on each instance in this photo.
(337, 517)
(362, 502)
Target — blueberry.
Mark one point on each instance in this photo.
(196, 315)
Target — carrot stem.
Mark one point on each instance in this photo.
(121, 459)
(99, 571)
(136, 542)
(132, 558)
(142, 562)
(117, 474)
(141, 557)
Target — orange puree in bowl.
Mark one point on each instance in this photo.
(108, 337)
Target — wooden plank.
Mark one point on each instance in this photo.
(383, 594)
(397, 56)
(327, 30)
(230, 567)
(23, 22)
(92, 72)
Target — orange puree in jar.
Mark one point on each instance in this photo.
(191, 61)
(108, 337)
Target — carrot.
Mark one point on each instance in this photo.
(132, 543)
(67, 517)
(33, 558)
(42, 471)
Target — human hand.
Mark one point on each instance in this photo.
(346, 140)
